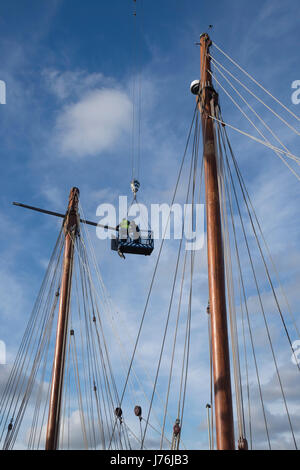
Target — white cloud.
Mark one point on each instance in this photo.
(66, 84)
(93, 124)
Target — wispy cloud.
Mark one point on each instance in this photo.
(93, 124)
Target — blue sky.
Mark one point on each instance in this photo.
(68, 67)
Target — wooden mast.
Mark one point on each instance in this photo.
(216, 276)
(70, 228)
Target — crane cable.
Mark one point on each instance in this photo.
(136, 96)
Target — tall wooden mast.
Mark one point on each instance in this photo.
(71, 228)
(216, 276)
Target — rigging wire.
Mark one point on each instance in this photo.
(157, 261)
(98, 373)
(115, 329)
(268, 144)
(238, 258)
(19, 386)
(229, 283)
(30, 376)
(272, 147)
(186, 356)
(260, 250)
(211, 440)
(215, 61)
(256, 82)
(260, 229)
(193, 167)
(246, 365)
(254, 112)
(259, 295)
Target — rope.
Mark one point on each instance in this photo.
(123, 327)
(256, 82)
(157, 262)
(277, 151)
(262, 255)
(254, 112)
(260, 299)
(33, 348)
(253, 94)
(261, 233)
(230, 289)
(193, 163)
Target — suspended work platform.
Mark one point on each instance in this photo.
(144, 245)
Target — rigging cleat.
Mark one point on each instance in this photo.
(242, 443)
(176, 435)
(138, 412)
(176, 428)
(119, 413)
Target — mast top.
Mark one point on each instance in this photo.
(197, 86)
(72, 220)
(207, 38)
(74, 191)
